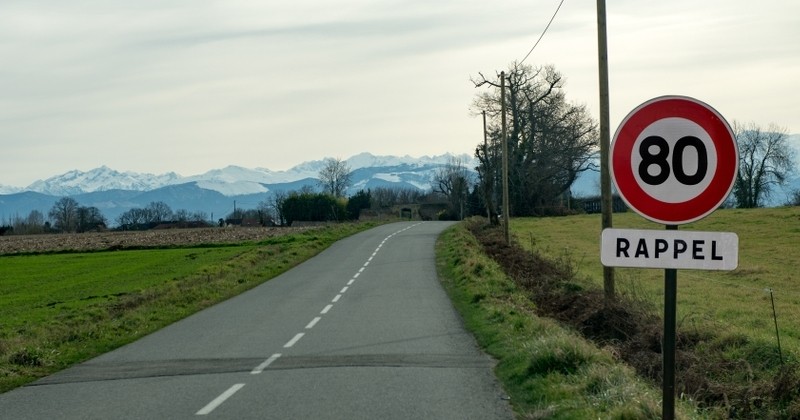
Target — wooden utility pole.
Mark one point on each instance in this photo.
(485, 136)
(506, 216)
(605, 139)
(488, 167)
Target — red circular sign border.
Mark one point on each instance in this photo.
(674, 107)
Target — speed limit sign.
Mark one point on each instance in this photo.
(674, 159)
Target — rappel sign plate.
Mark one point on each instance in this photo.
(646, 248)
(674, 159)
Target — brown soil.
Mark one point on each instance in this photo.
(634, 334)
(96, 241)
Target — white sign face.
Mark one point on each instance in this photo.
(688, 154)
(645, 248)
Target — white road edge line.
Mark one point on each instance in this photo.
(294, 340)
(326, 309)
(219, 400)
(312, 323)
(260, 368)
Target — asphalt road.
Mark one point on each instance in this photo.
(362, 331)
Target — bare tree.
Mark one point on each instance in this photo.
(155, 212)
(90, 218)
(133, 217)
(794, 198)
(334, 177)
(265, 213)
(549, 140)
(385, 197)
(32, 224)
(159, 211)
(64, 214)
(184, 215)
(181, 215)
(198, 216)
(452, 180)
(765, 161)
(489, 174)
(275, 207)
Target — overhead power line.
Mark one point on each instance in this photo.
(543, 32)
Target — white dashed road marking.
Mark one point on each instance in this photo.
(294, 340)
(219, 400)
(312, 323)
(260, 368)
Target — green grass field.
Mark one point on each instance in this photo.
(35, 287)
(60, 309)
(733, 301)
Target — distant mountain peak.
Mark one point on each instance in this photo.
(100, 179)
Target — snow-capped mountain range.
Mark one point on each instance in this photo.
(236, 180)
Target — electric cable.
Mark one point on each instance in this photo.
(543, 32)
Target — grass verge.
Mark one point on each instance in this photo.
(547, 370)
(61, 309)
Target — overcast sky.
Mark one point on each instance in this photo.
(192, 85)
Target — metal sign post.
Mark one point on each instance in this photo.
(674, 160)
(668, 351)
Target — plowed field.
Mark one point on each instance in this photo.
(96, 241)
